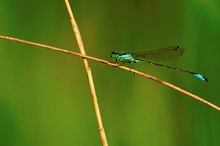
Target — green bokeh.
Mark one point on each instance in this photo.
(45, 98)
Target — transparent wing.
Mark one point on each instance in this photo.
(167, 53)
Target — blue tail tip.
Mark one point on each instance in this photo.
(201, 77)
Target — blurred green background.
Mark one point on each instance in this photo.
(45, 98)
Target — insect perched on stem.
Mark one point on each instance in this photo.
(167, 53)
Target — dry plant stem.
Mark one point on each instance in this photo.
(114, 65)
(89, 73)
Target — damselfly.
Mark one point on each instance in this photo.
(167, 53)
